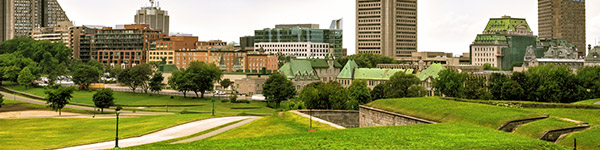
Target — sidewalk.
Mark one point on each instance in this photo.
(163, 135)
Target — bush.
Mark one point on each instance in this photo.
(225, 101)
(242, 101)
(233, 97)
(172, 97)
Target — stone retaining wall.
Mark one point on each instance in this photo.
(344, 118)
(510, 126)
(370, 117)
(553, 135)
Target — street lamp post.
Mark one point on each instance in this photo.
(117, 129)
(213, 104)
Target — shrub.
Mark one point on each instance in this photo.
(225, 101)
(233, 97)
(242, 101)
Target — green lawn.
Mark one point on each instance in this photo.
(128, 98)
(536, 128)
(588, 102)
(47, 133)
(288, 123)
(587, 139)
(429, 136)
(432, 108)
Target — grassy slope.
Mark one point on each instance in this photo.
(588, 102)
(536, 128)
(127, 98)
(435, 109)
(288, 123)
(431, 136)
(45, 133)
(587, 139)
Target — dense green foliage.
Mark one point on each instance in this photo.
(137, 76)
(398, 85)
(430, 136)
(85, 76)
(198, 77)
(58, 96)
(368, 60)
(359, 92)
(488, 66)
(103, 99)
(41, 57)
(544, 83)
(1, 100)
(225, 83)
(330, 95)
(156, 82)
(25, 77)
(278, 88)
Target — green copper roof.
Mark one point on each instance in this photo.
(506, 23)
(322, 63)
(431, 71)
(348, 70)
(295, 67)
(375, 74)
(490, 39)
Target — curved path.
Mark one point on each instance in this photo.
(597, 103)
(163, 135)
(33, 101)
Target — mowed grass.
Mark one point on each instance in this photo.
(434, 109)
(429, 136)
(48, 133)
(587, 102)
(128, 98)
(288, 123)
(536, 128)
(587, 139)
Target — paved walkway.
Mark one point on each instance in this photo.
(33, 101)
(318, 119)
(218, 131)
(163, 135)
(597, 103)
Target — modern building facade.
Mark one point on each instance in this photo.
(155, 17)
(563, 19)
(386, 27)
(18, 18)
(299, 41)
(247, 43)
(166, 47)
(59, 33)
(503, 43)
(126, 47)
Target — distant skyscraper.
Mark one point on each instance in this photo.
(386, 27)
(155, 17)
(18, 18)
(563, 19)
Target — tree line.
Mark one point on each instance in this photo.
(544, 83)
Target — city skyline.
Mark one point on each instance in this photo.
(448, 26)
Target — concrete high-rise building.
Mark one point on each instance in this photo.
(299, 42)
(155, 17)
(18, 18)
(563, 19)
(386, 27)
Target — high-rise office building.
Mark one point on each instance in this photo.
(386, 27)
(299, 42)
(20, 17)
(563, 19)
(155, 17)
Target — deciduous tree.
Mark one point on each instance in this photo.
(278, 88)
(25, 77)
(85, 76)
(57, 97)
(103, 99)
(156, 83)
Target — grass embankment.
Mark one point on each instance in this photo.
(47, 133)
(432, 108)
(128, 98)
(587, 102)
(587, 139)
(288, 123)
(430, 136)
(536, 128)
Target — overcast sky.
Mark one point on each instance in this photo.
(443, 25)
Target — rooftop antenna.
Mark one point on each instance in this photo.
(151, 3)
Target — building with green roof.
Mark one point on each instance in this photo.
(502, 43)
(429, 75)
(373, 76)
(306, 71)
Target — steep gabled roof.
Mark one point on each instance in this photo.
(506, 23)
(348, 71)
(322, 63)
(375, 74)
(295, 67)
(431, 71)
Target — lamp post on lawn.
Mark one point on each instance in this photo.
(213, 104)
(117, 129)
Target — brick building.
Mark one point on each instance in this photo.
(166, 47)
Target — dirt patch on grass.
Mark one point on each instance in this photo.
(34, 114)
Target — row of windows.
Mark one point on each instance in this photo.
(161, 53)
